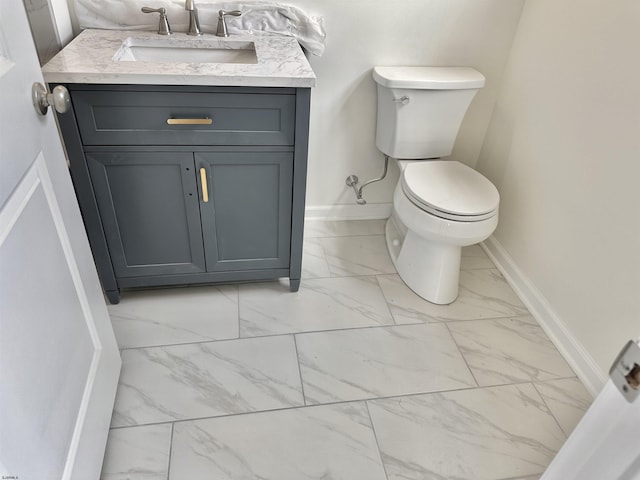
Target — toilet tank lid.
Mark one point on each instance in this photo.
(429, 78)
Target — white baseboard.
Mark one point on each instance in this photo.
(571, 349)
(369, 211)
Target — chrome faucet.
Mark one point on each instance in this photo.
(222, 24)
(194, 24)
(163, 25)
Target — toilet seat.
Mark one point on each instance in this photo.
(450, 190)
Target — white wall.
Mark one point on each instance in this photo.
(563, 148)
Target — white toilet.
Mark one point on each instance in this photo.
(439, 206)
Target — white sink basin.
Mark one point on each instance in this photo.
(176, 50)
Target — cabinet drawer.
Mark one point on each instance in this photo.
(149, 118)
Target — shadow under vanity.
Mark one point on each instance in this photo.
(187, 184)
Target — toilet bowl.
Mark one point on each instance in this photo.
(439, 206)
(429, 227)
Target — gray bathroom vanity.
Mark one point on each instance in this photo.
(187, 173)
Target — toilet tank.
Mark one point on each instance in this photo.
(420, 109)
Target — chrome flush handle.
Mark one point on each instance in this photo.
(403, 100)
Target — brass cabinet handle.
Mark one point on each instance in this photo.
(190, 121)
(205, 189)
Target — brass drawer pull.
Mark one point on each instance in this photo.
(205, 189)
(190, 121)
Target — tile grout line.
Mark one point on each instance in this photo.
(375, 437)
(295, 344)
(170, 451)
(376, 276)
(313, 405)
(271, 335)
(549, 408)
(462, 355)
(544, 340)
(305, 332)
(393, 317)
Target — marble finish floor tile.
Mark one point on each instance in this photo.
(379, 362)
(567, 399)
(161, 384)
(359, 255)
(176, 315)
(137, 453)
(508, 350)
(314, 261)
(405, 305)
(480, 434)
(342, 228)
(484, 293)
(320, 304)
(329, 442)
(474, 257)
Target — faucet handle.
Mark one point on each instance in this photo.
(163, 25)
(222, 24)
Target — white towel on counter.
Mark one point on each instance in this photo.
(257, 17)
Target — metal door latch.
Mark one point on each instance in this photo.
(625, 371)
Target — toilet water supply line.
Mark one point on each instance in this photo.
(352, 181)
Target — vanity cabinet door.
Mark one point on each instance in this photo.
(148, 203)
(246, 221)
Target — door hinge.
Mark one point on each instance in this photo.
(625, 371)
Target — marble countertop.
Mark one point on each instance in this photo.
(92, 58)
